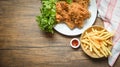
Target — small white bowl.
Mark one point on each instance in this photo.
(75, 43)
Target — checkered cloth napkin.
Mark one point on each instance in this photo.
(109, 11)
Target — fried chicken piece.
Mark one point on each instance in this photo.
(84, 3)
(61, 11)
(79, 22)
(78, 13)
(72, 14)
(59, 18)
(61, 5)
(67, 20)
(70, 24)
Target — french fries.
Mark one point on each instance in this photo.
(98, 42)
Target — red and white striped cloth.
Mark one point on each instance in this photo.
(109, 11)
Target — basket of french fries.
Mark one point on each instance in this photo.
(96, 42)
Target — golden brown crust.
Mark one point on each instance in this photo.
(72, 14)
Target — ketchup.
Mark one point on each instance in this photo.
(74, 42)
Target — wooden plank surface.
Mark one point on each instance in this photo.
(23, 44)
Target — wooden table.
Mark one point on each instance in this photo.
(22, 44)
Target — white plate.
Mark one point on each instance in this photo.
(65, 30)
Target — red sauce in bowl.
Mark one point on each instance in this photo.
(75, 43)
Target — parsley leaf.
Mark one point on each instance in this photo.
(46, 20)
(69, 1)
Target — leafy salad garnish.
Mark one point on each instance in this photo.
(46, 20)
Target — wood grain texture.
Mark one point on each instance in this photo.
(23, 44)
